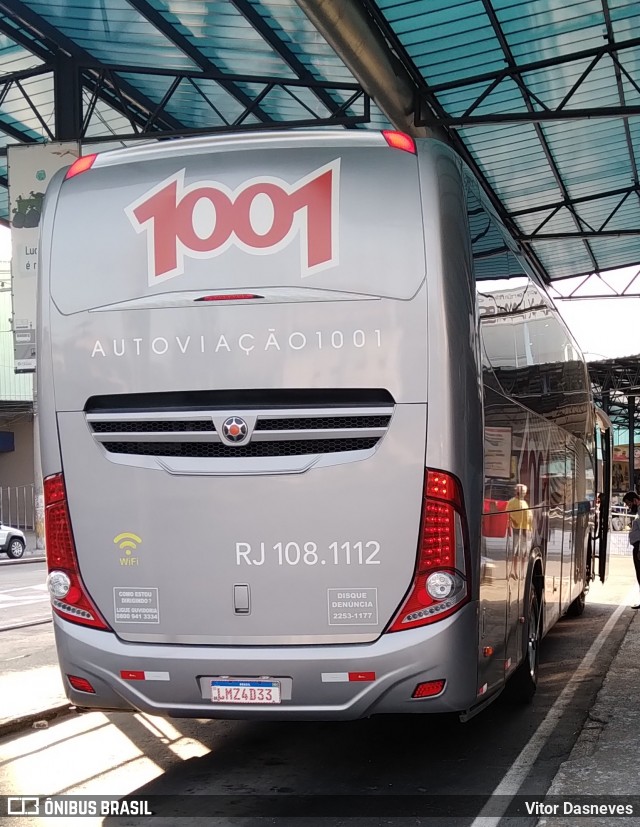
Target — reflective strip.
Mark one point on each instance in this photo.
(335, 677)
(362, 676)
(346, 677)
(137, 675)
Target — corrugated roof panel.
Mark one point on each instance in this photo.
(112, 31)
(626, 216)
(224, 36)
(595, 213)
(517, 184)
(634, 131)
(298, 34)
(567, 259)
(14, 58)
(610, 252)
(105, 121)
(625, 19)
(16, 111)
(447, 41)
(530, 222)
(538, 29)
(553, 84)
(586, 158)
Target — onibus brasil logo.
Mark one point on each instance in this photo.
(128, 543)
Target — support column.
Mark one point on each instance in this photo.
(67, 99)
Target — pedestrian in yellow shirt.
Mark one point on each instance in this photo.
(521, 521)
(520, 515)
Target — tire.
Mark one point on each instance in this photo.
(15, 549)
(577, 607)
(524, 681)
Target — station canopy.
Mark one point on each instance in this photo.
(541, 97)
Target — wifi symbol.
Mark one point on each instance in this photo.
(127, 542)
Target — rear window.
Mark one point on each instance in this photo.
(345, 219)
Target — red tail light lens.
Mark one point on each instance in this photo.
(64, 575)
(81, 165)
(439, 585)
(399, 140)
(428, 689)
(82, 684)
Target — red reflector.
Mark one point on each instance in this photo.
(428, 689)
(132, 675)
(362, 676)
(399, 140)
(81, 165)
(487, 651)
(228, 297)
(81, 684)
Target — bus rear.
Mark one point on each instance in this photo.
(233, 386)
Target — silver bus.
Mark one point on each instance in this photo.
(316, 443)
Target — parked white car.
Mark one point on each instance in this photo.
(12, 541)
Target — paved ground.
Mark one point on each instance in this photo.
(604, 762)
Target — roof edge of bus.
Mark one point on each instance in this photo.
(231, 142)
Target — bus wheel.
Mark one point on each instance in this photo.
(524, 681)
(577, 607)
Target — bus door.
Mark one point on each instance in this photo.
(603, 489)
(557, 505)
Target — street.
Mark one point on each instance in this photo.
(23, 594)
(119, 754)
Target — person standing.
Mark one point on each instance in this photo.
(521, 522)
(632, 500)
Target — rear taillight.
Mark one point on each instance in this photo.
(69, 598)
(439, 585)
(399, 140)
(81, 165)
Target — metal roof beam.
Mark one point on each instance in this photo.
(251, 14)
(350, 31)
(194, 76)
(506, 49)
(389, 75)
(627, 131)
(556, 205)
(58, 42)
(580, 234)
(535, 116)
(36, 47)
(548, 63)
(181, 42)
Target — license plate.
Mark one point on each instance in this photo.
(237, 691)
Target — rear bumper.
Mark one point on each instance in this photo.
(313, 680)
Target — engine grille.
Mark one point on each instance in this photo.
(270, 432)
(256, 449)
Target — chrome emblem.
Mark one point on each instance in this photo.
(235, 429)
